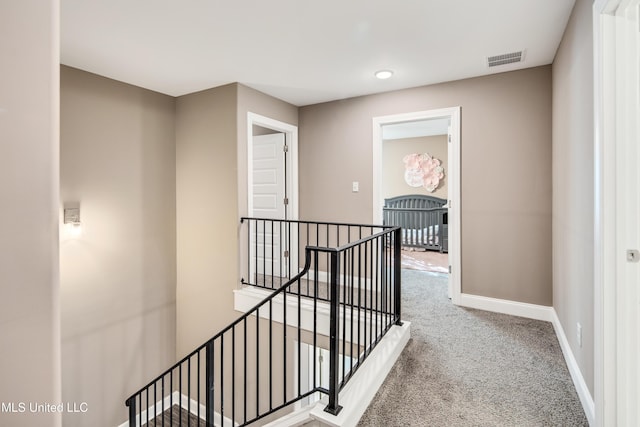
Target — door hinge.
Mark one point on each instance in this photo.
(286, 200)
(286, 254)
(449, 138)
(285, 148)
(449, 269)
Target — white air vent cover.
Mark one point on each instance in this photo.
(506, 58)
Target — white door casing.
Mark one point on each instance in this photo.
(453, 185)
(617, 209)
(627, 209)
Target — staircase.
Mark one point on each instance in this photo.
(321, 285)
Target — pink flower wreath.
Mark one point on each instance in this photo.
(422, 170)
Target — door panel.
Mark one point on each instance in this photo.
(268, 189)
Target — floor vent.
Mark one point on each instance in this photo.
(507, 58)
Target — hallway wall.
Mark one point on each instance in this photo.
(573, 186)
(207, 214)
(211, 147)
(505, 148)
(118, 278)
(29, 286)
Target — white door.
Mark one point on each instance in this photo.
(269, 176)
(268, 201)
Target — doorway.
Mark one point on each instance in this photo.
(449, 117)
(272, 192)
(415, 163)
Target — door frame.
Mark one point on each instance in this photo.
(291, 140)
(614, 394)
(453, 175)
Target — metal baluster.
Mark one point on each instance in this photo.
(270, 355)
(222, 378)
(257, 362)
(198, 374)
(163, 400)
(209, 391)
(155, 400)
(352, 269)
(284, 339)
(244, 375)
(233, 375)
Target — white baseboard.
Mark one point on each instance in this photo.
(576, 375)
(514, 308)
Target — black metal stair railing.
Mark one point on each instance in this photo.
(254, 366)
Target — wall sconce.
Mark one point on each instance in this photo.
(71, 219)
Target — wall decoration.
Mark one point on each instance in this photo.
(422, 170)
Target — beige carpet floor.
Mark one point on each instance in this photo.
(465, 367)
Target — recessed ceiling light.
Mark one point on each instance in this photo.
(384, 74)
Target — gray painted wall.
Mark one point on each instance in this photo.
(118, 278)
(393, 167)
(506, 150)
(29, 286)
(573, 186)
(211, 147)
(207, 214)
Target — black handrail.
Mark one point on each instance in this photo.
(363, 294)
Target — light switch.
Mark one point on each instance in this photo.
(355, 186)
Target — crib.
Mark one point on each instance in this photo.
(423, 219)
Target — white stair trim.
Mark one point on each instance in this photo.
(359, 391)
(363, 386)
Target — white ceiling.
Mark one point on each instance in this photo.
(304, 51)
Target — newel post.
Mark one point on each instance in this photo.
(333, 407)
(397, 274)
(131, 403)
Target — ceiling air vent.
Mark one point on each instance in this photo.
(507, 58)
